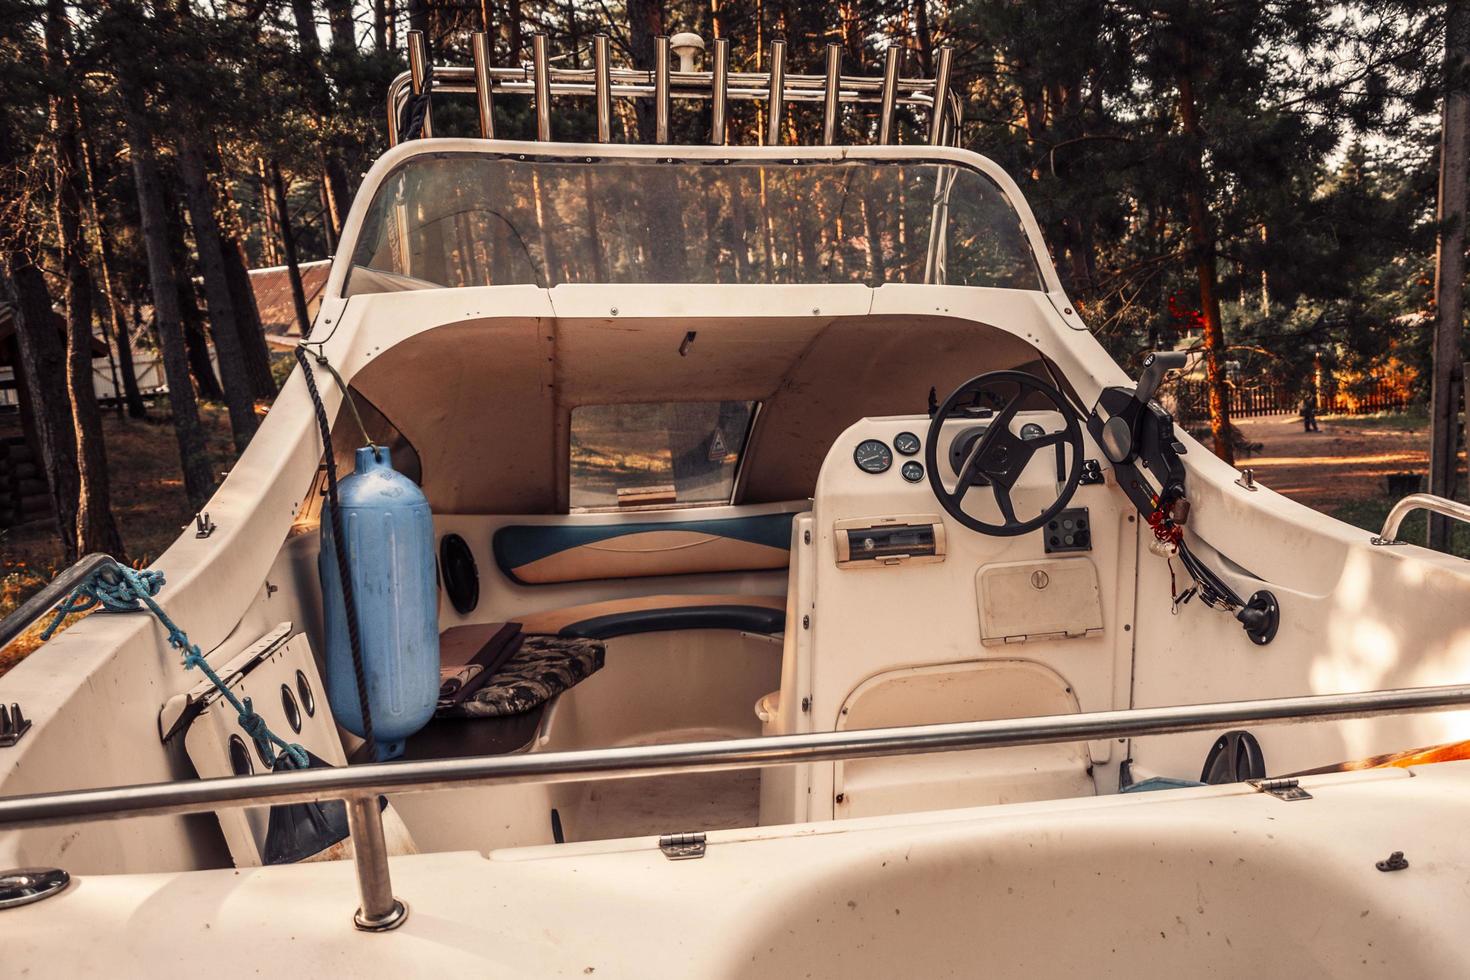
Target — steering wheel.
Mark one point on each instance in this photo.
(999, 456)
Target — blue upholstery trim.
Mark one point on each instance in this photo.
(1161, 782)
(516, 545)
(750, 619)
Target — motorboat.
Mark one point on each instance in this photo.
(676, 559)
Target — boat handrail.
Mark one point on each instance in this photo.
(51, 594)
(1419, 501)
(359, 786)
(541, 81)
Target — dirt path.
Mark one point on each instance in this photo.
(1347, 460)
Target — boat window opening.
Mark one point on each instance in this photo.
(636, 456)
(451, 220)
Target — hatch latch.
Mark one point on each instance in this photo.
(1285, 788)
(682, 847)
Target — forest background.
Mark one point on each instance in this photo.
(1256, 181)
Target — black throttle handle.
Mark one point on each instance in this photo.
(1155, 366)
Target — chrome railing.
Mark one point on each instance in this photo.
(541, 81)
(360, 786)
(54, 591)
(1419, 501)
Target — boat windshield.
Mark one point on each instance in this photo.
(445, 220)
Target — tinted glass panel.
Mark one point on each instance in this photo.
(475, 220)
(649, 455)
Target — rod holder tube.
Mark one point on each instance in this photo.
(379, 911)
(418, 71)
(661, 105)
(541, 71)
(484, 101)
(832, 94)
(776, 97)
(890, 94)
(942, 65)
(719, 91)
(602, 87)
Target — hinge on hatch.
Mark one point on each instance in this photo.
(682, 847)
(1285, 788)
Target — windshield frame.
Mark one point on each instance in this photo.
(591, 154)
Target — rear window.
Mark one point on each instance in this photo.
(656, 455)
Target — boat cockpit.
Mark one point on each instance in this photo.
(720, 446)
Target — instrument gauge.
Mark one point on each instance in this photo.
(1032, 431)
(906, 443)
(873, 456)
(913, 471)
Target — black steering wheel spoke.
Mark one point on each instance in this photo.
(1051, 439)
(1003, 501)
(999, 456)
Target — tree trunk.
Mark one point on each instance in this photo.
(334, 175)
(222, 325)
(1202, 243)
(201, 364)
(247, 318)
(645, 22)
(41, 379)
(418, 17)
(339, 19)
(129, 396)
(153, 212)
(93, 528)
(1450, 269)
(268, 231)
(247, 313)
(288, 244)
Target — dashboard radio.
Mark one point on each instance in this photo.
(873, 542)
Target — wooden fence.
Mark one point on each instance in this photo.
(1248, 400)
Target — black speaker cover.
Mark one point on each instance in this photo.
(461, 577)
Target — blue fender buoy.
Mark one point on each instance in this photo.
(390, 556)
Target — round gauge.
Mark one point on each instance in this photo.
(873, 456)
(1032, 431)
(906, 443)
(913, 471)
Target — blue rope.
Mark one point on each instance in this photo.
(134, 589)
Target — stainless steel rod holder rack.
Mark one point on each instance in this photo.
(662, 107)
(484, 97)
(360, 786)
(832, 93)
(931, 98)
(602, 87)
(419, 77)
(776, 93)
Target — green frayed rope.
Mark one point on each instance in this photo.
(133, 589)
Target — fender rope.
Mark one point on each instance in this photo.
(134, 589)
(339, 539)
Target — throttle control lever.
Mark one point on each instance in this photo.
(1155, 366)
(1121, 434)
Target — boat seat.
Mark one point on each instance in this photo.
(657, 613)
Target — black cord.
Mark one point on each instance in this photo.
(417, 109)
(1212, 589)
(339, 543)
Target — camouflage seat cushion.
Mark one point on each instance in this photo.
(542, 668)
